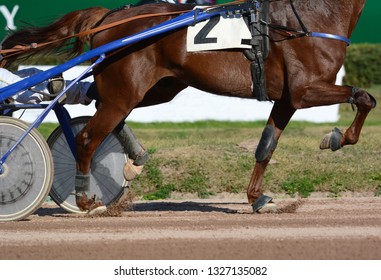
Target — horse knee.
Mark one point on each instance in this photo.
(82, 140)
(267, 144)
(363, 100)
(84, 150)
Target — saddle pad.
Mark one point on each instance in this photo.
(218, 33)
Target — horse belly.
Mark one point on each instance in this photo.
(219, 72)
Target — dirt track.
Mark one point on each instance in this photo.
(320, 228)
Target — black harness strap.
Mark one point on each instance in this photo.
(260, 46)
(259, 24)
(304, 28)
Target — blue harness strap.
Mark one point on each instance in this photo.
(330, 36)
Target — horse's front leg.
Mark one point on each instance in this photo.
(280, 115)
(337, 139)
(87, 141)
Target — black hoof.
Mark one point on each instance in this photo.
(261, 202)
(335, 140)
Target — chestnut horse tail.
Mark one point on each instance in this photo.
(54, 38)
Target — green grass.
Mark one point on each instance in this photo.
(209, 157)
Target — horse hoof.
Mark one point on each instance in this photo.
(130, 171)
(97, 210)
(261, 202)
(269, 208)
(85, 203)
(325, 142)
(335, 142)
(332, 140)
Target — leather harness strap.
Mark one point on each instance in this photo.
(21, 48)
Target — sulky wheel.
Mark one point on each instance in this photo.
(27, 174)
(106, 180)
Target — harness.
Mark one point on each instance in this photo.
(256, 15)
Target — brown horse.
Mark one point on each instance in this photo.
(300, 73)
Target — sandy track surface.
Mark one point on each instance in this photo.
(315, 228)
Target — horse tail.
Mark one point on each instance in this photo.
(56, 38)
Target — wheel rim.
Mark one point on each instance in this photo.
(27, 173)
(106, 178)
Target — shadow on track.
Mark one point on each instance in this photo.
(185, 206)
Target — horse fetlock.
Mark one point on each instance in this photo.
(82, 183)
(267, 144)
(252, 196)
(350, 137)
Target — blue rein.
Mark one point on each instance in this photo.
(330, 36)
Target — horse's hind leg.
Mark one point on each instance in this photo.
(337, 139)
(280, 115)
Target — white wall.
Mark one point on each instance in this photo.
(193, 105)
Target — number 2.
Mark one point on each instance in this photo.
(200, 38)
